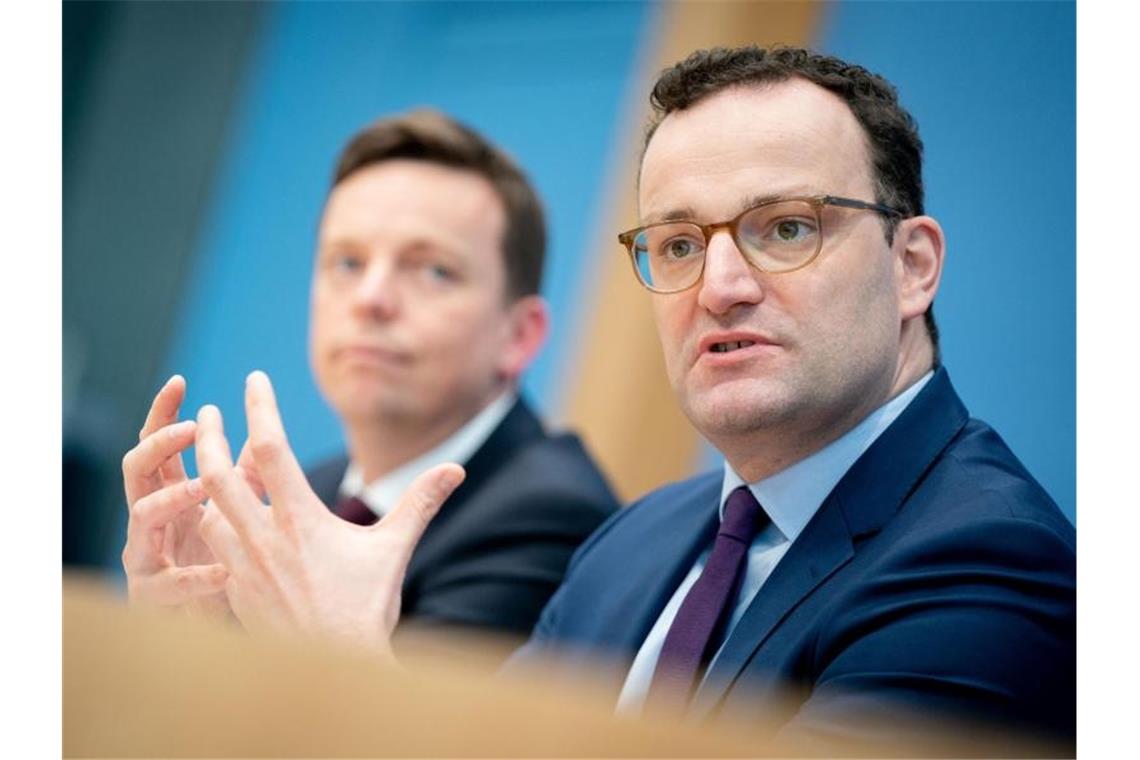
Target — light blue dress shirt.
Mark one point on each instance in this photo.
(790, 498)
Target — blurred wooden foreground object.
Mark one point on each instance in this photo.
(152, 685)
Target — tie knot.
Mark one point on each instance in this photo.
(353, 509)
(743, 516)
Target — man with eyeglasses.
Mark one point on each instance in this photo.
(869, 553)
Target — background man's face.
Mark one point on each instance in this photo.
(409, 319)
(826, 336)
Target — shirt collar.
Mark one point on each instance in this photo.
(382, 494)
(793, 495)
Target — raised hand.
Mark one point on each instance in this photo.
(166, 561)
(294, 565)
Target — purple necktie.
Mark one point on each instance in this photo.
(354, 510)
(695, 632)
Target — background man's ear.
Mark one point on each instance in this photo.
(529, 325)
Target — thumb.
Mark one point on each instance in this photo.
(421, 502)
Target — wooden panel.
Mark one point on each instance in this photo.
(150, 684)
(157, 685)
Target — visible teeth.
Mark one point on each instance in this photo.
(722, 348)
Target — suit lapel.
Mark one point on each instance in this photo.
(651, 576)
(519, 429)
(325, 479)
(867, 496)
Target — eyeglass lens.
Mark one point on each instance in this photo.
(775, 237)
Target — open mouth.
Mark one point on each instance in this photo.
(724, 348)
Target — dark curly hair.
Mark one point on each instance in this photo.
(427, 135)
(892, 134)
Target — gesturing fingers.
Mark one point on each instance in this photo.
(151, 516)
(248, 469)
(284, 481)
(249, 586)
(141, 464)
(420, 503)
(223, 483)
(222, 538)
(164, 411)
(178, 585)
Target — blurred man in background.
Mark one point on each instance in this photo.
(424, 313)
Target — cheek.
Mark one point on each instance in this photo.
(461, 332)
(878, 297)
(321, 326)
(857, 312)
(674, 318)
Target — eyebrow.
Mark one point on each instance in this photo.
(684, 214)
(441, 246)
(687, 214)
(336, 241)
(757, 200)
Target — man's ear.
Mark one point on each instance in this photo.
(528, 325)
(920, 248)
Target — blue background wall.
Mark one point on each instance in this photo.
(545, 81)
(992, 85)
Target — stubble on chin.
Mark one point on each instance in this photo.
(356, 400)
(731, 412)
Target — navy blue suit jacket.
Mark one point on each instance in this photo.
(499, 546)
(937, 578)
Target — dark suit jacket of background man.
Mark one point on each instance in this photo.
(937, 576)
(499, 546)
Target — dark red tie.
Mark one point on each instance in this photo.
(696, 631)
(354, 510)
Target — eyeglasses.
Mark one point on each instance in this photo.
(776, 236)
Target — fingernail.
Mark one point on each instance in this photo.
(452, 478)
(195, 489)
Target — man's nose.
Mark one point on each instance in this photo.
(728, 278)
(377, 292)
